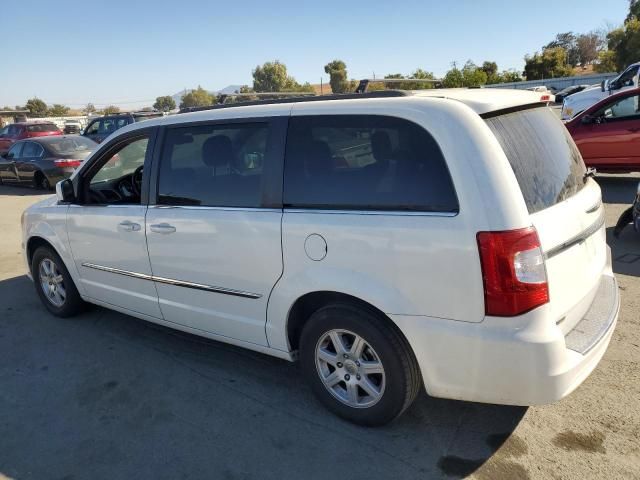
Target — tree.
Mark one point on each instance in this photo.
(472, 75)
(110, 110)
(625, 43)
(36, 107)
(509, 76)
(58, 110)
(551, 63)
(453, 78)
(566, 41)
(90, 108)
(272, 77)
(164, 104)
(587, 46)
(634, 10)
(197, 98)
(606, 62)
(337, 71)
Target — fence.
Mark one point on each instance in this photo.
(558, 83)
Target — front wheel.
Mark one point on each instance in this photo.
(358, 365)
(54, 285)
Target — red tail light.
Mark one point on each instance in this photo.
(545, 98)
(513, 272)
(67, 162)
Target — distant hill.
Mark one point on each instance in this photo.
(177, 97)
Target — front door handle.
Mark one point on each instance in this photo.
(162, 228)
(128, 226)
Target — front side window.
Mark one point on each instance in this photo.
(107, 126)
(13, 130)
(31, 150)
(213, 165)
(626, 107)
(93, 128)
(119, 178)
(365, 162)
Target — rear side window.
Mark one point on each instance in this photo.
(542, 154)
(365, 162)
(31, 149)
(42, 127)
(213, 165)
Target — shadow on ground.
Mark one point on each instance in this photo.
(14, 190)
(105, 395)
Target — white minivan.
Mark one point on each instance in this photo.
(445, 239)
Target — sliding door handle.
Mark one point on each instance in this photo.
(162, 228)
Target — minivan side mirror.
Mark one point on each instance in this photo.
(64, 191)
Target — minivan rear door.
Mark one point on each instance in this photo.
(565, 206)
(213, 234)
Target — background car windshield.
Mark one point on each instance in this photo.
(71, 145)
(42, 127)
(544, 158)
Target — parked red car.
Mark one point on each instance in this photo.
(608, 133)
(19, 131)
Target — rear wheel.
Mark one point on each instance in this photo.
(359, 366)
(54, 285)
(40, 181)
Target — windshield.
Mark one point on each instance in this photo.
(542, 154)
(72, 145)
(146, 116)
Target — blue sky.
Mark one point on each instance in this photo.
(129, 52)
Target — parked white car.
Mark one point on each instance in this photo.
(449, 239)
(578, 102)
(546, 95)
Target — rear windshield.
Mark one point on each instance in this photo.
(142, 118)
(542, 154)
(72, 145)
(42, 127)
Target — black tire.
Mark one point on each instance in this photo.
(41, 182)
(72, 304)
(402, 380)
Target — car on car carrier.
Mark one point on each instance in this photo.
(450, 240)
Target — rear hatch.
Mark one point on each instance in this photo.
(565, 206)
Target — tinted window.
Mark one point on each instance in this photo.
(126, 161)
(42, 127)
(93, 128)
(107, 126)
(31, 149)
(13, 130)
(213, 165)
(72, 145)
(365, 162)
(542, 154)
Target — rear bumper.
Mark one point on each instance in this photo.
(524, 361)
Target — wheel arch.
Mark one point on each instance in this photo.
(305, 305)
(36, 242)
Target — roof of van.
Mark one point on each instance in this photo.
(484, 100)
(480, 100)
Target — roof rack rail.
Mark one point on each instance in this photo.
(364, 83)
(298, 99)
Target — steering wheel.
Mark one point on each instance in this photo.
(136, 180)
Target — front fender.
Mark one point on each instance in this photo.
(48, 221)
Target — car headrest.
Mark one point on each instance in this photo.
(381, 146)
(217, 151)
(318, 158)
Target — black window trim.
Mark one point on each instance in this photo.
(608, 120)
(374, 210)
(105, 150)
(273, 170)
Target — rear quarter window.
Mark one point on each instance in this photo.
(542, 154)
(365, 162)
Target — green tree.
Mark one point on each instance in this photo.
(273, 77)
(197, 98)
(110, 110)
(36, 107)
(453, 78)
(58, 110)
(89, 108)
(587, 46)
(606, 62)
(634, 10)
(551, 63)
(625, 43)
(338, 79)
(509, 76)
(566, 41)
(472, 75)
(164, 104)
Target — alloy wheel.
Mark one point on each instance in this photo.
(52, 282)
(350, 369)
